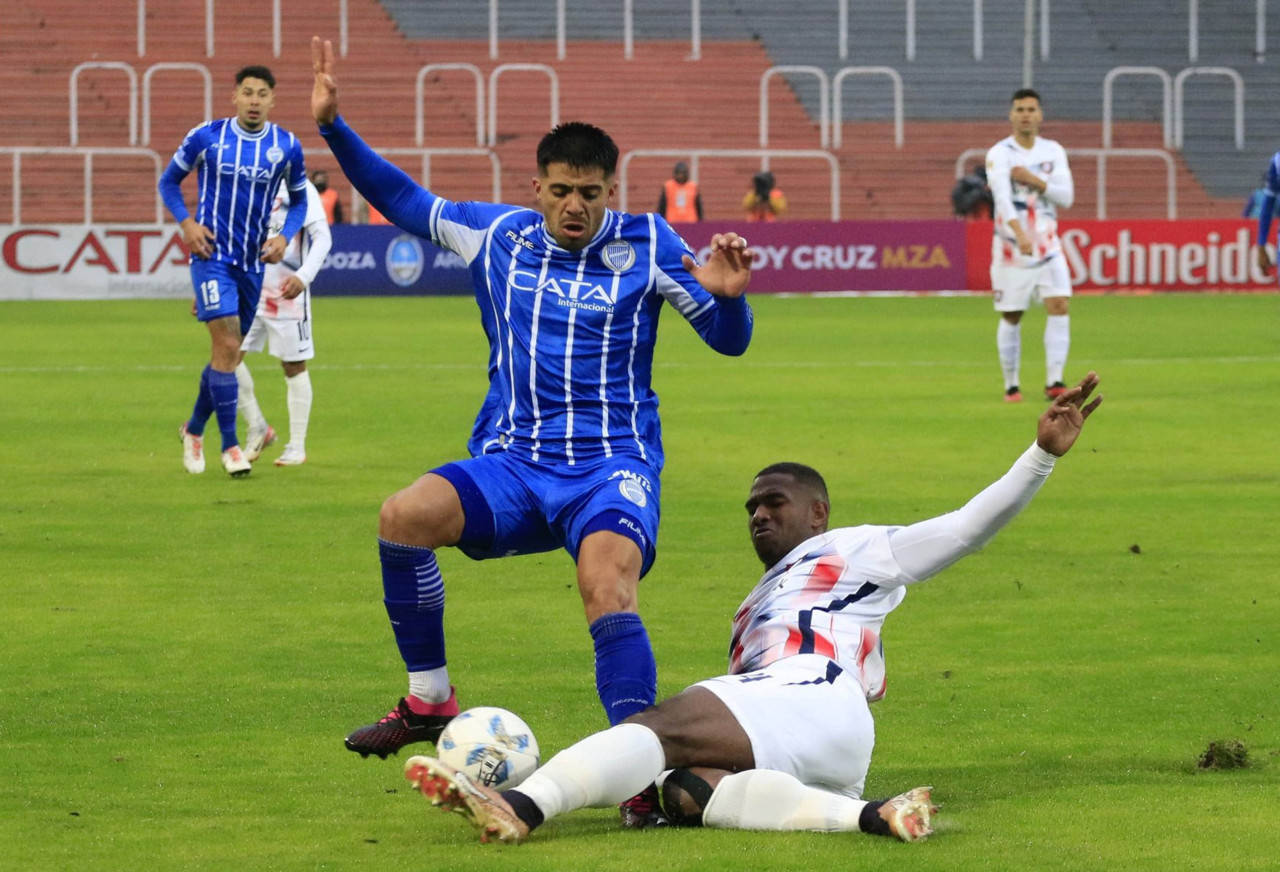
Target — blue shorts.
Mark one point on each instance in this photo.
(223, 290)
(516, 506)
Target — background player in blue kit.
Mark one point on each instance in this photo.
(240, 163)
(567, 448)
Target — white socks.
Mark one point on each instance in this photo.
(1009, 345)
(601, 770)
(763, 799)
(248, 402)
(1057, 342)
(431, 685)
(299, 401)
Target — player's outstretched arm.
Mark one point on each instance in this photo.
(324, 93)
(728, 270)
(1062, 421)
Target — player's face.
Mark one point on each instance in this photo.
(781, 514)
(253, 99)
(1025, 115)
(573, 202)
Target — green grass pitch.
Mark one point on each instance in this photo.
(182, 655)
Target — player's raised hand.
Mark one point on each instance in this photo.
(1062, 421)
(324, 93)
(728, 269)
(273, 249)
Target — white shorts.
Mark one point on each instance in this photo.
(288, 340)
(1015, 288)
(805, 716)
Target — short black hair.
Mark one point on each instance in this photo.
(257, 71)
(1024, 93)
(581, 146)
(805, 476)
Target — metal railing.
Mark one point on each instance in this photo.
(824, 87)
(837, 120)
(88, 155)
(493, 93)
(475, 73)
(146, 92)
(1166, 84)
(75, 96)
(628, 29)
(1237, 84)
(276, 29)
(1102, 155)
(765, 154)
(425, 154)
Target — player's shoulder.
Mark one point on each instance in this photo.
(1003, 149)
(1050, 145)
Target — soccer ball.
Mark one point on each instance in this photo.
(492, 745)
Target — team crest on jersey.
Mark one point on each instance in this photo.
(275, 154)
(1046, 166)
(618, 256)
(405, 260)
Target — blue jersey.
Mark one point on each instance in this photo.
(571, 333)
(238, 175)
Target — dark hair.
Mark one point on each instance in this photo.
(805, 476)
(1024, 93)
(256, 72)
(763, 182)
(579, 145)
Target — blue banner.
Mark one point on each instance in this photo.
(380, 260)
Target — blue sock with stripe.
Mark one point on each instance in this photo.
(224, 389)
(204, 405)
(413, 593)
(626, 673)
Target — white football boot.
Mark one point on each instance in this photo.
(234, 462)
(254, 443)
(192, 451)
(291, 456)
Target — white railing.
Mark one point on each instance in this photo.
(824, 97)
(475, 73)
(765, 154)
(425, 155)
(276, 28)
(628, 29)
(1237, 86)
(88, 154)
(146, 92)
(75, 96)
(493, 93)
(837, 120)
(1166, 84)
(1102, 155)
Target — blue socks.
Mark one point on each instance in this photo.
(224, 390)
(413, 593)
(626, 673)
(203, 407)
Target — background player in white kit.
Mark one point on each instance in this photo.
(282, 326)
(782, 742)
(1030, 180)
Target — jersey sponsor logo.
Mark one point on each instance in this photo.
(275, 154)
(572, 292)
(618, 256)
(519, 240)
(405, 260)
(255, 173)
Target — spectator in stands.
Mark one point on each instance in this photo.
(971, 197)
(680, 201)
(765, 201)
(328, 197)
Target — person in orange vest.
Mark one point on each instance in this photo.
(328, 197)
(680, 202)
(765, 201)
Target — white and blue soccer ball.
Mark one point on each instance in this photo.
(493, 746)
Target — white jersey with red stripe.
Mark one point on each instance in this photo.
(303, 257)
(829, 596)
(1037, 212)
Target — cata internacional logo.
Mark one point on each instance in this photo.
(405, 260)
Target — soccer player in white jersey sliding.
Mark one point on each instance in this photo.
(783, 741)
(240, 161)
(566, 450)
(1030, 181)
(283, 326)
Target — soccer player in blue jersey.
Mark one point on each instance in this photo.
(1271, 189)
(240, 163)
(566, 450)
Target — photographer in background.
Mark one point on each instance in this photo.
(765, 201)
